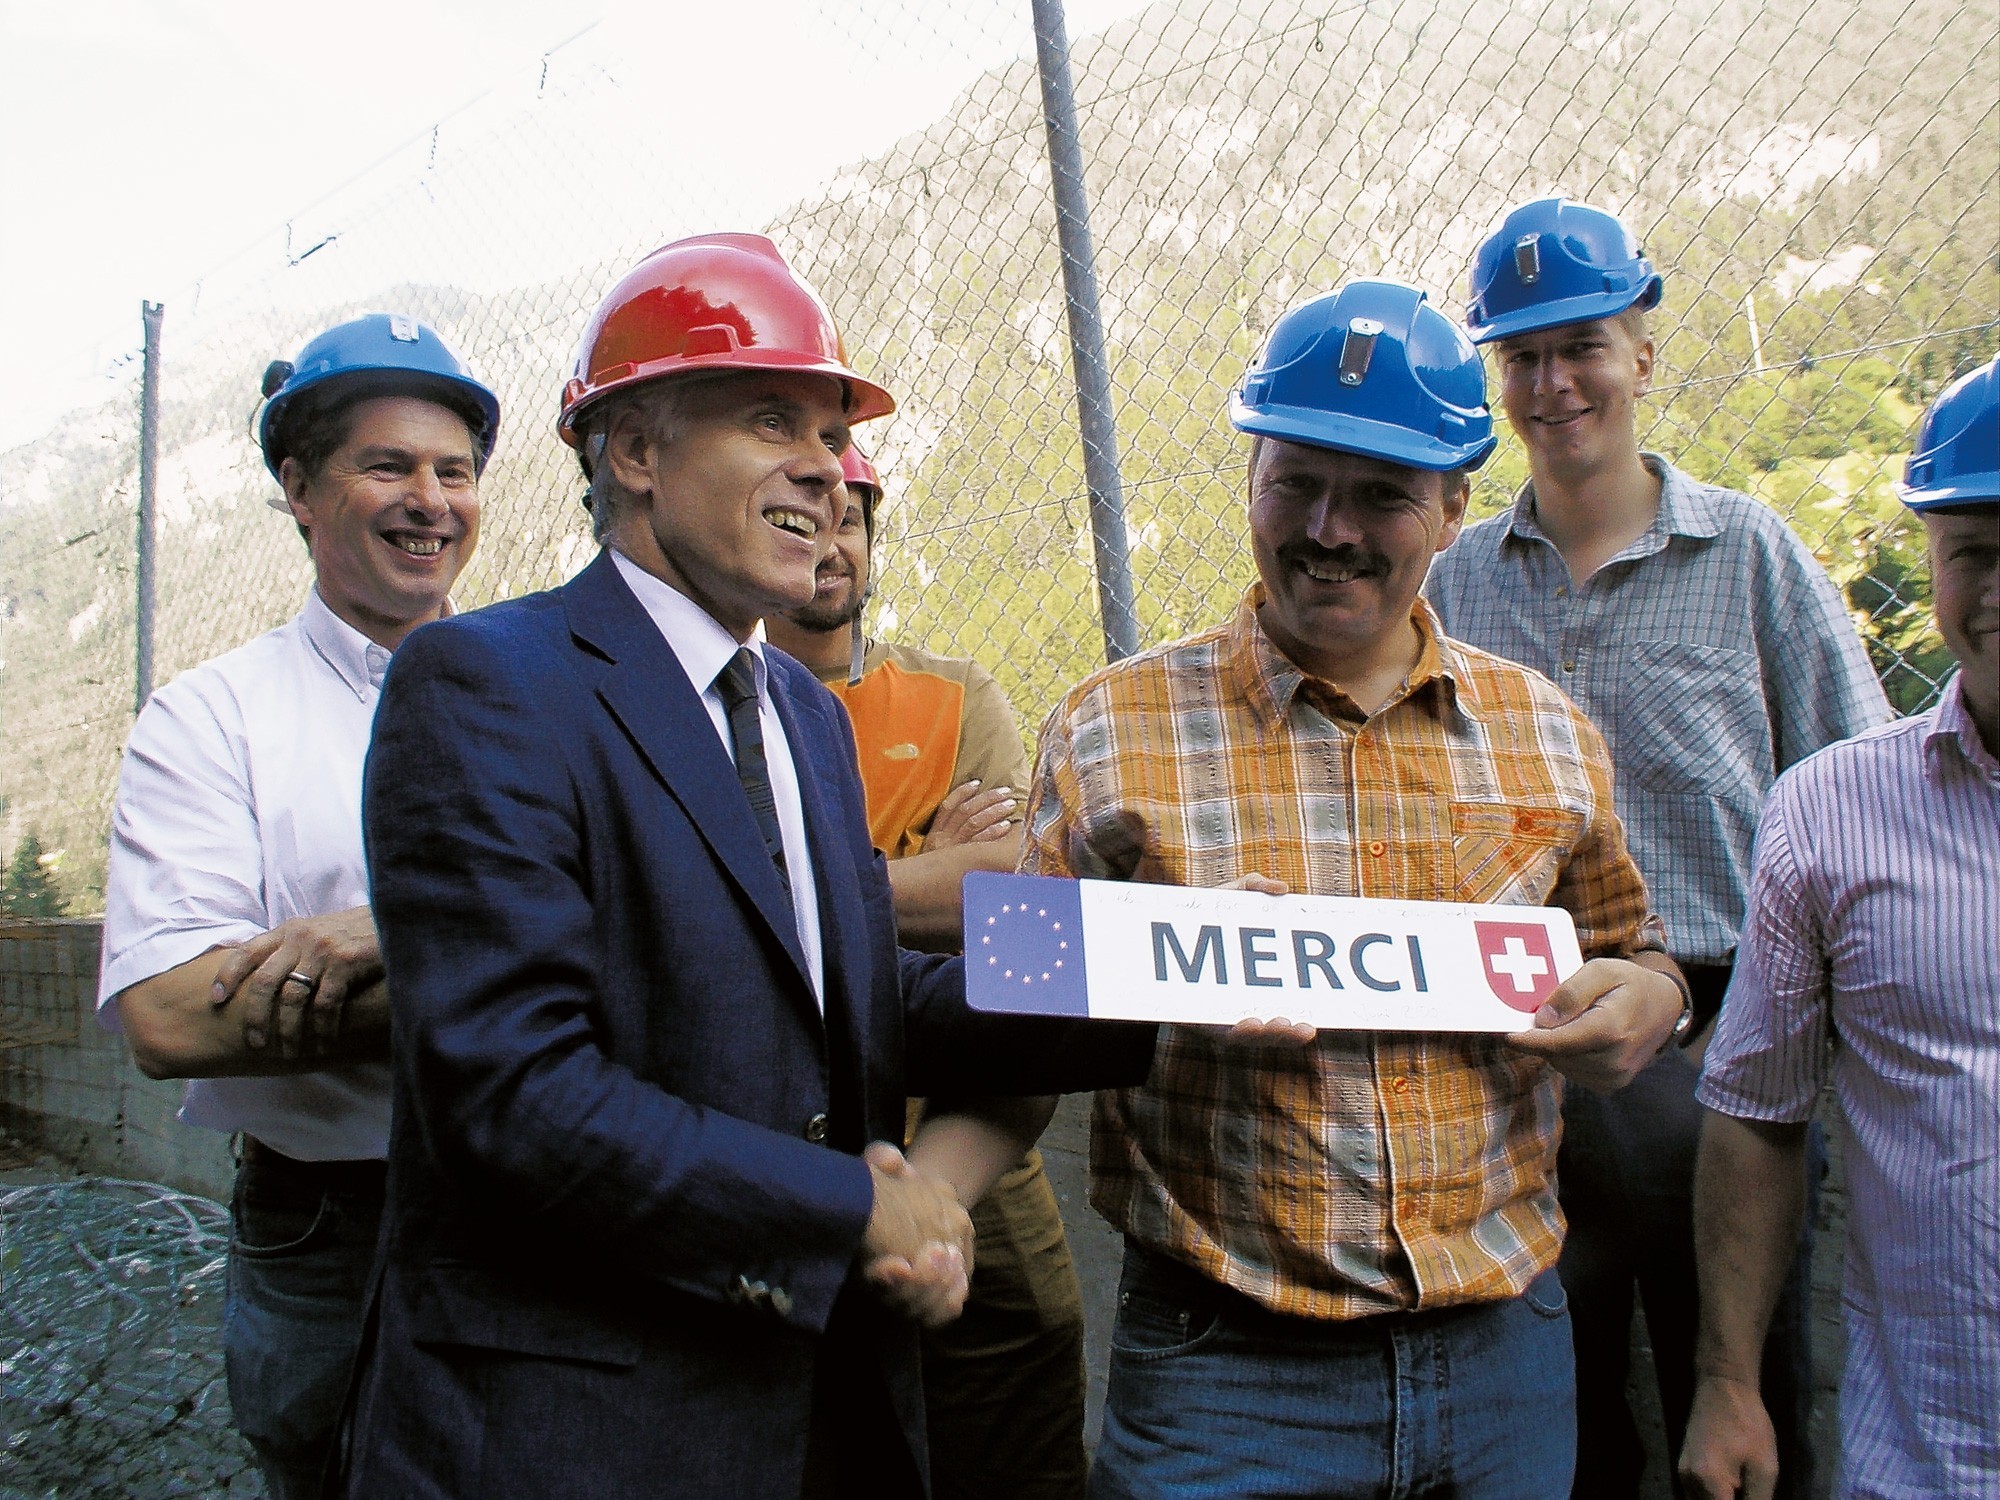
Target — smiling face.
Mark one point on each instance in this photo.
(1572, 393)
(1342, 543)
(736, 510)
(391, 517)
(1965, 591)
(840, 584)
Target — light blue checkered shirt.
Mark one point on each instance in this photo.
(1713, 652)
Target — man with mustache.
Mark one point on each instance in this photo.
(943, 764)
(1340, 1256)
(1712, 650)
(239, 948)
(1875, 920)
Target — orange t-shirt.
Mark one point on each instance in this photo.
(924, 724)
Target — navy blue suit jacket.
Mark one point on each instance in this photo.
(624, 1194)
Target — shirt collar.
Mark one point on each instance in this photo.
(702, 646)
(356, 660)
(1951, 729)
(1685, 508)
(1269, 680)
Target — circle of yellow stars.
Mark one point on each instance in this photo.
(1027, 977)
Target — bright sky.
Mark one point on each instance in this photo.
(146, 142)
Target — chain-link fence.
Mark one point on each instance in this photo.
(1817, 178)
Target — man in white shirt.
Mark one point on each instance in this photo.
(239, 951)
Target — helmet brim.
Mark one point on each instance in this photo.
(1965, 489)
(452, 392)
(866, 401)
(1359, 435)
(1546, 315)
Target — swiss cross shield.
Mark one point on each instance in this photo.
(1519, 964)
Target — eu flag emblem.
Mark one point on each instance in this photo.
(1024, 945)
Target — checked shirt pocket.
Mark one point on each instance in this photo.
(1504, 855)
(1695, 719)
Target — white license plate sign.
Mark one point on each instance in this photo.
(1035, 945)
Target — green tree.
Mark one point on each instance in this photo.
(28, 889)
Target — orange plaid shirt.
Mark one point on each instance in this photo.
(1371, 1171)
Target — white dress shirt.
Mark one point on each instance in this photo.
(704, 648)
(239, 807)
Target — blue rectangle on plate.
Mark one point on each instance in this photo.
(1024, 945)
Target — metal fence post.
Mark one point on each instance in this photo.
(1086, 336)
(149, 476)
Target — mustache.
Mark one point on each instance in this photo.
(1344, 558)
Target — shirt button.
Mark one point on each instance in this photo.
(1562, 593)
(1376, 847)
(1569, 666)
(1400, 1085)
(816, 1129)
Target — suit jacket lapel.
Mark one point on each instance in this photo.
(842, 921)
(648, 693)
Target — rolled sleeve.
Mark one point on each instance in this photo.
(185, 867)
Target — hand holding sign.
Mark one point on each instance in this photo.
(1605, 1023)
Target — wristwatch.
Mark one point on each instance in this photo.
(1684, 1022)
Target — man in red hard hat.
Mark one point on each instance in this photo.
(944, 768)
(645, 1231)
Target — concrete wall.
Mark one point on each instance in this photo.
(69, 1087)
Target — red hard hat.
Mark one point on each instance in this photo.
(856, 470)
(713, 302)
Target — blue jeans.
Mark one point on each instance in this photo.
(291, 1323)
(1213, 1398)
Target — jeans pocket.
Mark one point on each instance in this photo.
(268, 1230)
(1545, 1296)
(1152, 1324)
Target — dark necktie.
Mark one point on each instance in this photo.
(737, 683)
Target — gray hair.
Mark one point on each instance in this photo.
(661, 407)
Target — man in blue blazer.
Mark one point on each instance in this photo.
(648, 1006)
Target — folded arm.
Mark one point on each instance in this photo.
(240, 1009)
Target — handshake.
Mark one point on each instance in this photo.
(917, 1249)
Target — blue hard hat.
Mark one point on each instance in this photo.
(1372, 369)
(1957, 461)
(1553, 262)
(391, 352)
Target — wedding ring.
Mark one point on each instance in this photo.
(295, 977)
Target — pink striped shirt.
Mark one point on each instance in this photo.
(1872, 953)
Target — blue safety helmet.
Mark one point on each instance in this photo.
(1372, 369)
(390, 354)
(1957, 461)
(1553, 262)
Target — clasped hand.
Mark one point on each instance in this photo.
(265, 978)
(917, 1249)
